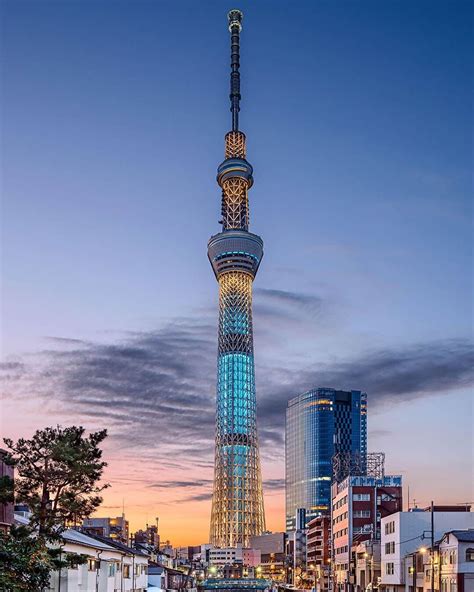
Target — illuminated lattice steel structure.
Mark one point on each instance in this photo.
(235, 255)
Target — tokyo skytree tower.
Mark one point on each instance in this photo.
(235, 255)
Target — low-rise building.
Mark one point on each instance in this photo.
(456, 554)
(405, 533)
(6, 509)
(107, 568)
(318, 551)
(273, 558)
(367, 565)
(359, 503)
(113, 528)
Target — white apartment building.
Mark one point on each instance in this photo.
(456, 552)
(403, 533)
(225, 556)
(231, 555)
(110, 566)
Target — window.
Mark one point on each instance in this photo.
(362, 514)
(452, 557)
(389, 569)
(453, 587)
(469, 554)
(112, 568)
(389, 548)
(361, 497)
(126, 571)
(92, 564)
(390, 527)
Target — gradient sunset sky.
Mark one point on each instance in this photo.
(358, 120)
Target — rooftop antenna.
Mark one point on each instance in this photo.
(235, 26)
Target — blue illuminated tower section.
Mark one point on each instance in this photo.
(235, 255)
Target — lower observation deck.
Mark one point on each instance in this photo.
(235, 250)
(235, 584)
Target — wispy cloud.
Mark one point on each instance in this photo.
(155, 390)
(185, 484)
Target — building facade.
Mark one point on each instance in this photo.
(148, 536)
(272, 547)
(404, 533)
(366, 556)
(456, 558)
(107, 568)
(6, 509)
(113, 528)
(318, 550)
(359, 503)
(319, 424)
(235, 255)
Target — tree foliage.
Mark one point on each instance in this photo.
(25, 562)
(58, 472)
(57, 476)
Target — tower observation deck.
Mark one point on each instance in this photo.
(235, 255)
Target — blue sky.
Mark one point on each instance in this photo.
(358, 119)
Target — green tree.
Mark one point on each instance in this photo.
(25, 561)
(58, 472)
(57, 475)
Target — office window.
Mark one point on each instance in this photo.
(362, 514)
(361, 497)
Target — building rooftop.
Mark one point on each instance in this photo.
(463, 536)
(75, 536)
(116, 545)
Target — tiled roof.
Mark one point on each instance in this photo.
(74, 536)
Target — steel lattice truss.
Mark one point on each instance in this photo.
(235, 145)
(237, 506)
(235, 203)
(371, 464)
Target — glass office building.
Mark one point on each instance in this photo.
(319, 424)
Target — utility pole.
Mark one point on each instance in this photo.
(414, 571)
(432, 546)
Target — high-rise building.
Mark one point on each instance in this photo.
(319, 424)
(235, 255)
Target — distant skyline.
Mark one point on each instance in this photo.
(358, 122)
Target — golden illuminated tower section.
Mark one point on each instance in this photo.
(235, 255)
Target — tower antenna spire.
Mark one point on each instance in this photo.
(235, 26)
